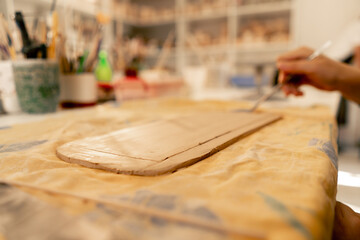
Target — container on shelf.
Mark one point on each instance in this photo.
(8, 97)
(37, 85)
(129, 88)
(78, 90)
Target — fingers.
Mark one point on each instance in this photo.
(300, 53)
(293, 63)
(290, 76)
(346, 223)
(295, 67)
(282, 77)
(290, 89)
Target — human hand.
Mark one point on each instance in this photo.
(296, 70)
(357, 56)
(346, 223)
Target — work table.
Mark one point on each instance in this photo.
(277, 183)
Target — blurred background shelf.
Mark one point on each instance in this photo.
(208, 27)
(90, 7)
(264, 8)
(150, 23)
(207, 14)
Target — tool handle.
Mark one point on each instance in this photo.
(21, 24)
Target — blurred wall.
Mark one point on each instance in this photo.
(317, 21)
(6, 8)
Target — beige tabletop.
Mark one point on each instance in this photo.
(277, 183)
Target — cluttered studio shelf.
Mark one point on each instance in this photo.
(140, 120)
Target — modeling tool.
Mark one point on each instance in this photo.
(30, 49)
(82, 59)
(165, 51)
(93, 53)
(4, 47)
(10, 44)
(53, 5)
(277, 87)
(54, 28)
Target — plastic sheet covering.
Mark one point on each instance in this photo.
(277, 183)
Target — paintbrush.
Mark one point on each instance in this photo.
(164, 51)
(278, 86)
(10, 42)
(31, 49)
(51, 51)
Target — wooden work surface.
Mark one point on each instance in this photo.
(276, 183)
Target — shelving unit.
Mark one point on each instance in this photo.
(183, 16)
(77, 18)
(232, 12)
(90, 7)
(271, 7)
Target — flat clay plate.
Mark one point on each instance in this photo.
(163, 146)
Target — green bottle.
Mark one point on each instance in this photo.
(103, 70)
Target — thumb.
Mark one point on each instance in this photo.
(295, 67)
